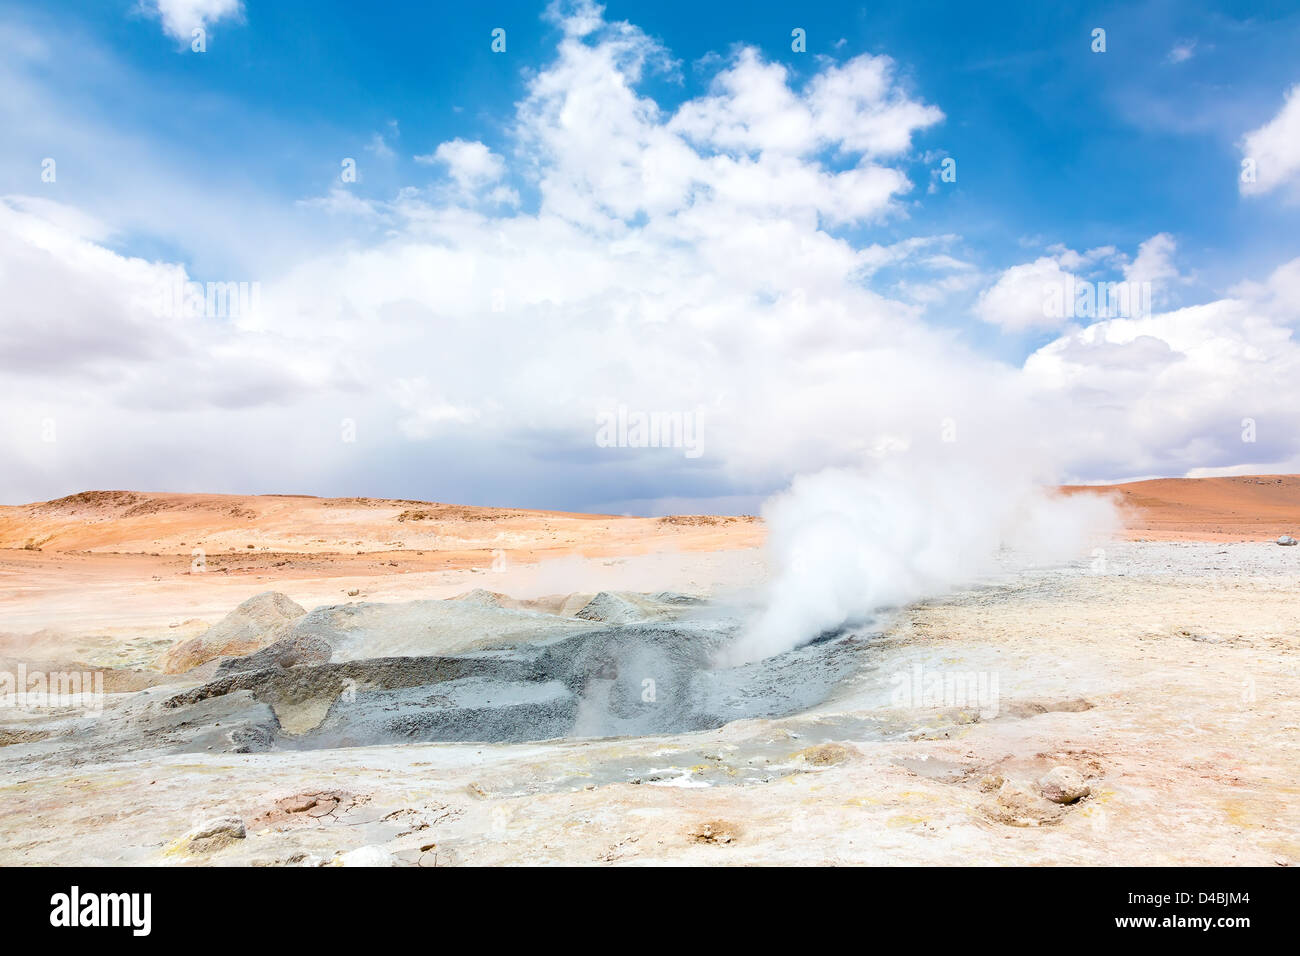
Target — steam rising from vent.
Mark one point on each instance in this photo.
(845, 544)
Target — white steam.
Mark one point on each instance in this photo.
(845, 544)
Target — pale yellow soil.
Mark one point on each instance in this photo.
(1177, 704)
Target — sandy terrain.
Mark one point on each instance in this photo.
(144, 568)
(1246, 508)
(1162, 672)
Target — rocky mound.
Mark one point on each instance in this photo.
(623, 607)
(416, 628)
(258, 622)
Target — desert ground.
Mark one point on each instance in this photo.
(292, 680)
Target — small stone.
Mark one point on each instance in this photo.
(1063, 785)
(372, 855)
(232, 827)
(1286, 541)
(211, 836)
(715, 832)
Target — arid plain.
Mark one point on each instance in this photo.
(1137, 705)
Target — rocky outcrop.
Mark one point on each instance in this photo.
(208, 837)
(258, 622)
(621, 607)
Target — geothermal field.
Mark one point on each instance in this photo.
(296, 681)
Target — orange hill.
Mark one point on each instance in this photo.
(129, 522)
(1249, 507)
(1215, 509)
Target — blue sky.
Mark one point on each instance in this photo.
(224, 163)
(1049, 136)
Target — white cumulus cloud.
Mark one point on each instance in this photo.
(684, 259)
(181, 17)
(1021, 299)
(1274, 150)
(471, 165)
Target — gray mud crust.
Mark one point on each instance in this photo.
(333, 680)
(635, 679)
